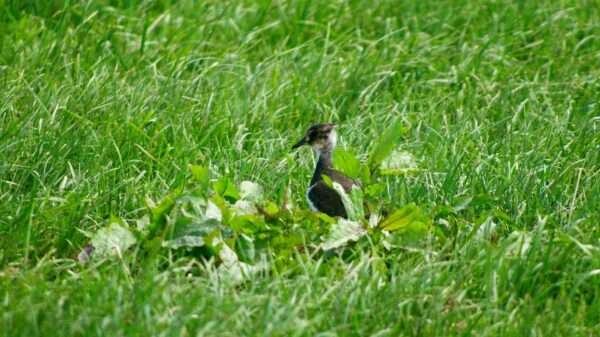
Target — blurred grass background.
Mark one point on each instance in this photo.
(103, 103)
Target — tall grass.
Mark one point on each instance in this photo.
(103, 103)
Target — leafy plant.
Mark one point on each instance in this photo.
(342, 232)
(345, 161)
(114, 239)
(406, 218)
(384, 159)
(237, 227)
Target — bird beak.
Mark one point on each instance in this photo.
(300, 143)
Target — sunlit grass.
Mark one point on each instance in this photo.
(105, 103)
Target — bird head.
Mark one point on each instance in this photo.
(321, 137)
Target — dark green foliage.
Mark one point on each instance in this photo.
(344, 161)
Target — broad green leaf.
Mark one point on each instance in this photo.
(348, 205)
(345, 162)
(113, 239)
(195, 207)
(386, 143)
(342, 232)
(398, 163)
(408, 217)
(158, 213)
(232, 271)
(251, 191)
(214, 242)
(213, 211)
(326, 218)
(223, 207)
(191, 221)
(365, 175)
(226, 189)
(190, 204)
(375, 190)
(270, 209)
(242, 207)
(356, 195)
(244, 246)
(226, 254)
(184, 241)
(200, 173)
(353, 203)
(249, 223)
(189, 227)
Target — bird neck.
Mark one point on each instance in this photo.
(324, 162)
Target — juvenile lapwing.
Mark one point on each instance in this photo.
(321, 197)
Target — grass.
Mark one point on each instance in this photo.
(103, 103)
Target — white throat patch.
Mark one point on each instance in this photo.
(332, 139)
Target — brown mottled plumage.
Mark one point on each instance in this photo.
(321, 197)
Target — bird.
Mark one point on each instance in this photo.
(320, 196)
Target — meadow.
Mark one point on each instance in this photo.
(105, 105)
